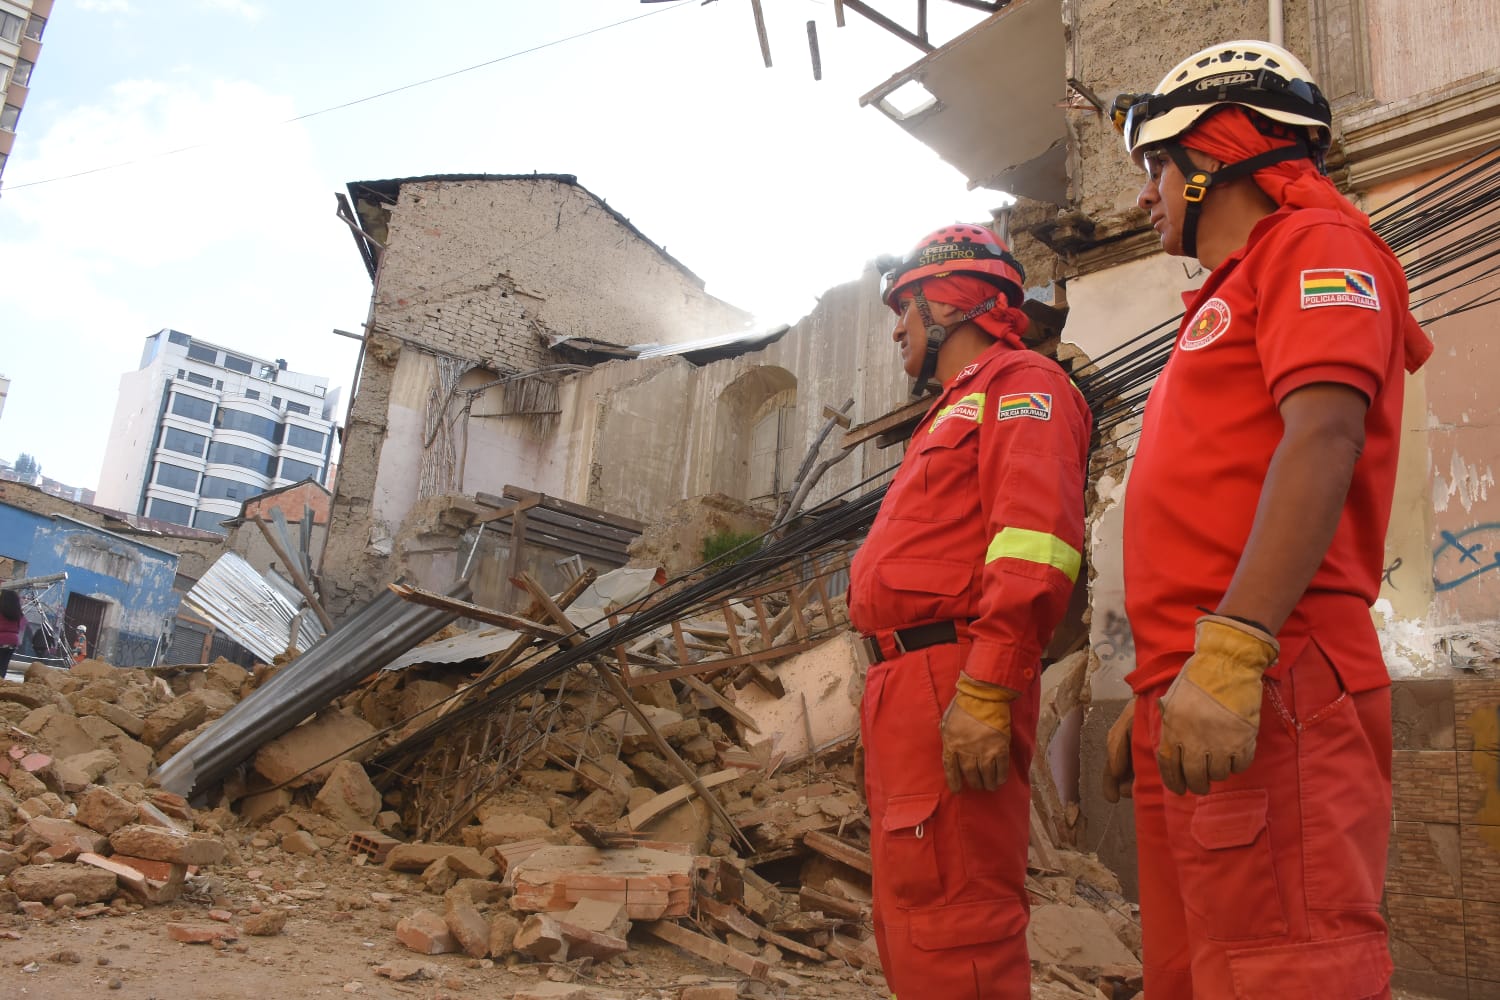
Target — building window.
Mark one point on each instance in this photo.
(22, 74)
(35, 26)
(209, 521)
(295, 471)
(219, 488)
(301, 408)
(276, 402)
(201, 352)
(180, 339)
(235, 364)
(246, 423)
(244, 458)
(184, 443)
(202, 380)
(9, 115)
(5, 73)
(166, 510)
(176, 477)
(10, 26)
(252, 393)
(192, 407)
(301, 437)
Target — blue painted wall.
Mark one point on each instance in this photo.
(136, 579)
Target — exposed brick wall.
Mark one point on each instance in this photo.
(1443, 884)
(291, 503)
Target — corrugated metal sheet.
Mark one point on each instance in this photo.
(242, 604)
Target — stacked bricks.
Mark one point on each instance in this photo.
(1443, 883)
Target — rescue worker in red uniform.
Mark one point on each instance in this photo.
(965, 573)
(1255, 520)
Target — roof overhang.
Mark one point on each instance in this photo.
(997, 98)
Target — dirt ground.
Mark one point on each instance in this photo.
(340, 928)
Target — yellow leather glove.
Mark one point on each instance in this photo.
(1119, 771)
(1210, 715)
(976, 735)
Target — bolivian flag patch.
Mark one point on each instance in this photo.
(1037, 405)
(1337, 286)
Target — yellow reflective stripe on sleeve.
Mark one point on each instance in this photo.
(1037, 547)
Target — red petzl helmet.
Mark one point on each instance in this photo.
(957, 249)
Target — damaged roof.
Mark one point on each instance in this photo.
(700, 352)
(386, 192)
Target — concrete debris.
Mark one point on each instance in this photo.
(593, 842)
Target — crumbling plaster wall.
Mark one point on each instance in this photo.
(482, 271)
(640, 436)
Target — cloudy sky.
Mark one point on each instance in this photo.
(175, 166)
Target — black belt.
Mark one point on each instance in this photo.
(908, 640)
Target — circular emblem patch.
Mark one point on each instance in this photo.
(1210, 323)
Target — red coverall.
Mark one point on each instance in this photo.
(982, 526)
(1270, 885)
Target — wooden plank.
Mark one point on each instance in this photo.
(908, 414)
(672, 797)
(760, 32)
(568, 541)
(681, 646)
(739, 715)
(732, 622)
(577, 510)
(303, 587)
(478, 612)
(506, 509)
(732, 919)
(839, 850)
(708, 949)
(816, 901)
(597, 529)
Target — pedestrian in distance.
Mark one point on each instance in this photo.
(1259, 740)
(12, 625)
(956, 591)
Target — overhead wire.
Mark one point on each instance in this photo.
(307, 115)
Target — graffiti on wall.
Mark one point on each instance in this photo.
(1466, 555)
(1116, 646)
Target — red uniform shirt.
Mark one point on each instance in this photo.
(1312, 297)
(984, 519)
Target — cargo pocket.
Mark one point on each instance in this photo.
(911, 863)
(962, 925)
(1228, 877)
(1341, 969)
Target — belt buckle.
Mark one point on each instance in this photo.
(870, 645)
(897, 641)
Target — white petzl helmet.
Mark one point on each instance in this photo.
(1260, 76)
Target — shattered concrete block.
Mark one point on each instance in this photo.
(1075, 937)
(347, 797)
(374, 845)
(403, 972)
(148, 882)
(416, 857)
(62, 831)
(148, 814)
(315, 745)
(43, 883)
(503, 930)
(262, 807)
(426, 933)
(174, 717)
(469, 929)
(102, 810)
(439, 876)
(167, 845)
(31, 694)
(127, 722)
(59, 732)
(476, 892)
(299, 842)
(603, 806)
(505, 828)
(95, 670)
(81, 770)
(601, 915)
(541, 938)
(718, 991)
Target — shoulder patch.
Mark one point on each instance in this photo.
(970, 408)
(1037, 405)
(1339, 286)
(966, 372)
(1210, 322)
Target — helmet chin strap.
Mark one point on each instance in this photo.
(1197, 181)
(937, 333)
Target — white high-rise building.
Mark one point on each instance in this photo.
(200, 428)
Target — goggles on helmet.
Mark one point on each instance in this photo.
(957, 254)
(1262, 90)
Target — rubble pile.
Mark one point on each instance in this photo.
(717, 816)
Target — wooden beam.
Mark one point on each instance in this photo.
(909, 413)
(576, 509)
(812, 46)
(741, 716)
(468, 609)
(508, 510)
(842, 419)
(860, 7)
(709, 949)
(673, 797)
(298, 580)
(839, 850)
